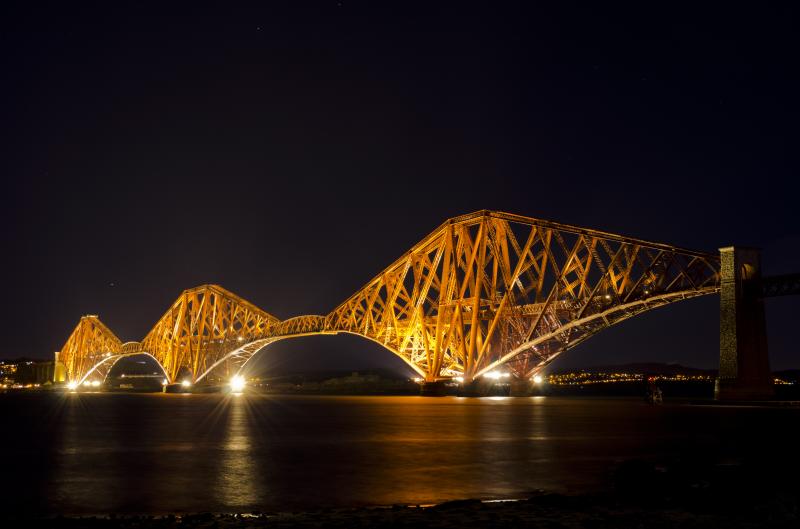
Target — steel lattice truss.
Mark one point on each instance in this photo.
(89, 343)
(490, 288)
(202, 326)
(783, 285)
(480, 291)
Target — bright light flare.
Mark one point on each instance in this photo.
(496, 375)
(72, 386)
(237, 384)
(95, 383)
(459, 379)
(185, 383)
(537, 379)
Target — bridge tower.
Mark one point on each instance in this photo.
(744, 372)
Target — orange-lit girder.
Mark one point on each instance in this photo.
(88, 344)
(202, 326)
(487, 284)
(481, 290)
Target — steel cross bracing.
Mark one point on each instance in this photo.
(493, 288)
(203, 325)
(784, 285)
(480, 291)
(88, 345)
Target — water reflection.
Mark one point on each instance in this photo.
(163, 453)
(236, 477)
(76, 448)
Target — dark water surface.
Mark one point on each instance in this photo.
(159, 453)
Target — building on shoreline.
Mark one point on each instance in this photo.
(25, 372)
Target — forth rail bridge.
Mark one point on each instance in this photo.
(482, 290)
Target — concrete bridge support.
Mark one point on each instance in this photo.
(520, 387)
(433, 389)
(743, 359)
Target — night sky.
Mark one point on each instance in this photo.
(291, 152)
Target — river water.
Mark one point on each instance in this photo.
(161, 453)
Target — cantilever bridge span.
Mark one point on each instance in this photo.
(480, 291)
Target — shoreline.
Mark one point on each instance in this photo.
(779, 509)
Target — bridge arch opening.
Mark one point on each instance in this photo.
(136, 371)
(343, 352)
(99, 373)
(654, 336)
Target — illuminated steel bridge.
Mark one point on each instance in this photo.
(482, 290)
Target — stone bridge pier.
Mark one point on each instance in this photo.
(744, 372)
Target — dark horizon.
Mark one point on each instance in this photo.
(291, 153)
